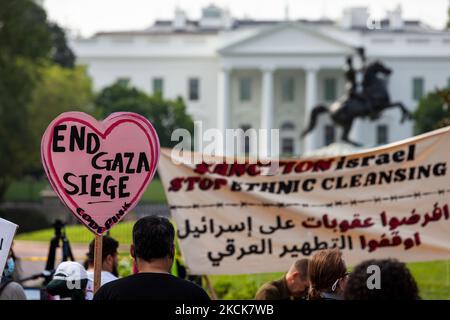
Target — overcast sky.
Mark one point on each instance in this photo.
(86, 17)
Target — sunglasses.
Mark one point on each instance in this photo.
(333, 288)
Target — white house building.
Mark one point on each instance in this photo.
(235, 73)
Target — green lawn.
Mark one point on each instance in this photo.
(154, 193)
(25, 190)
(79, 234)
(433, 278)
(28, 190)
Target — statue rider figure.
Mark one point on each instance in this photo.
(350, 76)
(354, 85)
(366, 96)
(362, 70)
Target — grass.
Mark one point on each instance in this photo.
(433, 277)
(79, 234)
(154, 193)
(28, 190)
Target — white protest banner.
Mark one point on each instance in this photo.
(391, 201)
(7, 232)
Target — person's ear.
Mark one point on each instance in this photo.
(110, 259)
(132, 251)
(295, 275)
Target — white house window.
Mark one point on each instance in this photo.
(330, 89)
(418, 88)
(287, 126)
(288, 134)
(329, 134)
(194, 89)
(288, 89)
(382, 134)
(245, 89)
(158, 86)
(287, 146)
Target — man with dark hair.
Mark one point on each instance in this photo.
(153, 249)
(293, 286)
(392, 282)
(109, 264)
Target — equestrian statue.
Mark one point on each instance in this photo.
(369, 98)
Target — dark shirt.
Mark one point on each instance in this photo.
(151, 286)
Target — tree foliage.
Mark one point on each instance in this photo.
(60, 53)
(433, 111)
(165, 115)
(448, 21)
(28, 41)
(24, 30)
(24, 44)
(59, 90)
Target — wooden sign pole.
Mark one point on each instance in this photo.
(98, 261)
(210, 288)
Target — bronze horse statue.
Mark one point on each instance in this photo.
(373, 100)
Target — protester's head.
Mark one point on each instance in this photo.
(327, 274)
(297, 278)
(153, 242)
(69, 281)
(393, 281)
(109, 255)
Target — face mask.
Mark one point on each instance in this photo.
(9, 269)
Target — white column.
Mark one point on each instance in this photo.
(267, 107)
(223, 103)
(310, 140)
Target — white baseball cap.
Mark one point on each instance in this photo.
(70, 271)
(70, 280)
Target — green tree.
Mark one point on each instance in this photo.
(24, 30)
(59, 90)
(28, 41)
(433, 111)
(448, 21)
(60, 53)
(25, 43)
(165, 115)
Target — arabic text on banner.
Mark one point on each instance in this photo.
(390, 201)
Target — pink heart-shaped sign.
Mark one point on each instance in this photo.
(100, 169)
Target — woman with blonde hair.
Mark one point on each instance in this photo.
(327, 275)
